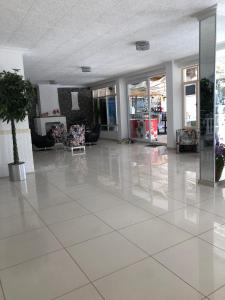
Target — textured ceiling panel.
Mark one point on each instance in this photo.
(62, 35)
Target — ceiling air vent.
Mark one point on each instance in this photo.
(142, 45)
(86, 69)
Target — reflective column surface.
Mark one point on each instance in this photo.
(207, 63)
(121, 222)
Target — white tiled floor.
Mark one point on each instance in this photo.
(155, 235)
(79, 230)
(123, 215)
(25, 246)
(1, 294)
(121, 222)
(218, 295)
(85, 293)
(42, 278)
(62, 212)
(145, 280)
(215, 236)
(193, 219)
(18, 224)
(106, 254)
(198, 263)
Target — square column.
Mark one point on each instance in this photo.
(212, 95)
(174, 102)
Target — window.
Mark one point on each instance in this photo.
(105, 109)
(190, 88)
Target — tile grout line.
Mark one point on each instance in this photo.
(179, 227)
(130, 242)
(30, 259)
(73, 290)
(177, 244)
(151, 214)
(151, 256)
(23, 232)
(178, 276)
(66, 250)
(3, 292)
(148, 255)
(219, 288)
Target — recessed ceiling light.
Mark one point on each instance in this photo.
(86, 69)
(142, 45)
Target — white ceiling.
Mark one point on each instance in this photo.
(62, 35)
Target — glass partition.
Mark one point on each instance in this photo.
(139, 110)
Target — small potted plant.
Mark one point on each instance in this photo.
(220, 157)
(16, 95)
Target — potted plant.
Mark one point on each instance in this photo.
(16, 95)
(220, 157)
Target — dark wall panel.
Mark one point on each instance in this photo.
(85, 104)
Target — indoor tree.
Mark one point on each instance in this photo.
(16, 95)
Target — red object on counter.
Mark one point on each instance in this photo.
(135, 133)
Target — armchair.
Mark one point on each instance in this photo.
(58, 133)
(76, 139)
(93, 136)
(186, 140)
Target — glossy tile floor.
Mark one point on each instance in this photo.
(123, 222)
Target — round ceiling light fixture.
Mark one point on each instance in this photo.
(86, 69)
(142, 45)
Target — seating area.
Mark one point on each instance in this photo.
(75, 139)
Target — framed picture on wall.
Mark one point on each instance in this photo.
(75, 103)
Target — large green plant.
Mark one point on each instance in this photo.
(16, 95)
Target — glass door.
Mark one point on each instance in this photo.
(139, 112)
(158, 104)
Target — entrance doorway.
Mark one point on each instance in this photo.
(158, 103)
(148, 110)
(139, 110)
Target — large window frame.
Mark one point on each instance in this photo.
(184, 84)
(105, 93)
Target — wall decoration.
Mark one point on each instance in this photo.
(75, 104)
(84, 114)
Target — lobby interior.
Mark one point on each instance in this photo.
(132, 217)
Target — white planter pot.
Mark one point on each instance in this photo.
(17, 172)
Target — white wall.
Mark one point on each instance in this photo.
(48, 97)
(9, 60)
